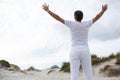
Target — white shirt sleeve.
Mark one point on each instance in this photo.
(89, 23)
(68, 23)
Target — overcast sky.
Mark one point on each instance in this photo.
(30, 37)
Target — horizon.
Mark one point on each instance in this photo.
(29, 36)
(111, 56)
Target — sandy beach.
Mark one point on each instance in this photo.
(43, 75)
(14, 73)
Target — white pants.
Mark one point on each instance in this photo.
(80, 54)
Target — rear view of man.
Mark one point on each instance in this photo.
(79, 32)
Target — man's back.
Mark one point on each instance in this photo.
(79, 31)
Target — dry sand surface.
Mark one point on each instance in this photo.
(44, 75)
(53, 74)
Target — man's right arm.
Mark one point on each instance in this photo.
(104, 8)
(55, 16)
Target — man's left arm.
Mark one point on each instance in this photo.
(104, 8)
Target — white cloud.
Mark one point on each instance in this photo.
(104, 48)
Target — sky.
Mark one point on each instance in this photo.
(30, 37)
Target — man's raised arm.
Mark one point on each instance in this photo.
(55, 16)
(104, 8)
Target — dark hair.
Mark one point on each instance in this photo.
(78, 15)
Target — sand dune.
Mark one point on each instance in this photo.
(42, 75)
(52, 74)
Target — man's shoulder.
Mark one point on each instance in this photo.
(69, 22)
(88, 22)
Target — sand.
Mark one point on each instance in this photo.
(43, 75)
(52, 74)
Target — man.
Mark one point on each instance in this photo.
(79, 31)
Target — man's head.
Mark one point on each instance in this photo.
(78, 15)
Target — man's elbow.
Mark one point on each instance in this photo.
(94, 20)
(60, 19)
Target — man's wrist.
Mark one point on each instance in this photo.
(103, 11)
(48, 11)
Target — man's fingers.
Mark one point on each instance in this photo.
(102, 6)
(105, 5)
(44, 3)
(42, 6)
(47, 5)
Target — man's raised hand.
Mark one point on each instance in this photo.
(104, 7)
(45, 7)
